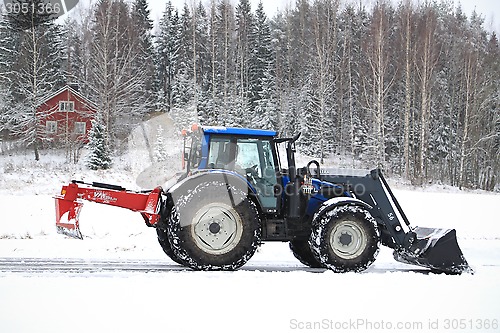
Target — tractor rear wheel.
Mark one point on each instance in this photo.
(345, 238)
(301, 250)
(165, 245)
(214, 227)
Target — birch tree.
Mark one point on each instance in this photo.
(9, 38)
(36, 74)
(323, 73)
(407, 27)
(426, 65)
(379, 78)
(116, 83)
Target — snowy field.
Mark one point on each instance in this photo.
(272, 293)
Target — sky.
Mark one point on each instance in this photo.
(270, 6)
(489, 9)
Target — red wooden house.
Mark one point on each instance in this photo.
(66, 116)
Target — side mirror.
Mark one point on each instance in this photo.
(296, 137)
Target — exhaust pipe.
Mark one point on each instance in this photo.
(436, 249)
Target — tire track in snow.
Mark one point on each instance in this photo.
(37, 266)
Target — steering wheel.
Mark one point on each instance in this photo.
(252, 172)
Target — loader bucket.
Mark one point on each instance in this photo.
(436, 249)
(67, 213)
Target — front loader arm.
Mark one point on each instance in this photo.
(70, 202)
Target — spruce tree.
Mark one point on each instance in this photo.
(99, 156)
(144, 52)
(244, 49)
(160, 146)
(261, 59)
(266, 108)
(167, 46)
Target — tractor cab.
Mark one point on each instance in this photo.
(248, 153)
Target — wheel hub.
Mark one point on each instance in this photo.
(348, 240)
(214, 227)
(217, 228)
(345, 239)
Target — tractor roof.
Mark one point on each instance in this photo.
(237, 131)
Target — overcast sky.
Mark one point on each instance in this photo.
(489, 9)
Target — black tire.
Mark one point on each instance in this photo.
(301, 250)
(165, 245)
(345, 238)
(214, 227)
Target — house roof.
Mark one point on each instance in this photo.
(74, 92)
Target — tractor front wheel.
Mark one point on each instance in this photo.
(215, 226)
(301, 250)
(345, 238)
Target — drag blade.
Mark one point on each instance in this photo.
(436, 249)
(70, 232)
(67, 213)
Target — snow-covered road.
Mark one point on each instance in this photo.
(272, 293)
(272, 257)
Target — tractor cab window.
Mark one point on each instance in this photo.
(221, 154)
(254, 158)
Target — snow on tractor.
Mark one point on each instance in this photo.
(234, 193)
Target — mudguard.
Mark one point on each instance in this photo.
(341, 201)
(231, 179)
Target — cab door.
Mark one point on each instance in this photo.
(255, 158)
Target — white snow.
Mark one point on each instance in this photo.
(272, 293)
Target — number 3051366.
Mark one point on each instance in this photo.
(40, 8)
(51, 8)
(479, 324)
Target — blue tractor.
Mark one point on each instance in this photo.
(236, 192)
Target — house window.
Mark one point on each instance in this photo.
(66, 106)
(51, 126)
(80, 127)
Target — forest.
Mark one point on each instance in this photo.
(411, 88)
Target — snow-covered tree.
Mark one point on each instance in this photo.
(117, 84)
(184, 86)
(167, 46)
(9, 38)
(261, 59)
(266, 106)
(144, 59)
(202, 63)
(160, 146)
(99, 152)
(244, 49)
(36, 74)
